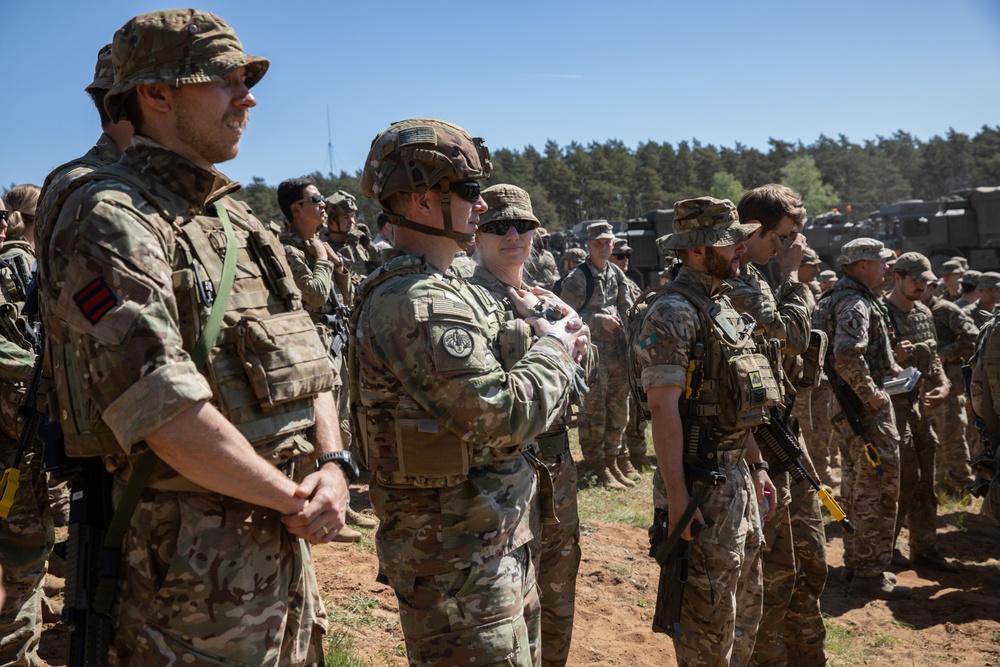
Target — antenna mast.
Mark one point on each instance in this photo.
(329, 140)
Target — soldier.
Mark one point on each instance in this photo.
(503, 248)
(989, 294)
(27, 533)
(969, 290)
(951, 277)
(321, 275)
(597, 289)
(541, 267)
(809, 272)
(827, 280)
(344, 237)
(956, 336)
(382, 243)
(857, 329)
(985, 395)
(239, 484)
(17, 254)
(794, 554)
(913, 326)
(691, 321)
(443, 425)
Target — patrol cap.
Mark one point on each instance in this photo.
(706, 221)
(862, 249)
(599, 230)
(951, 266)
(104, 71)
(963, 262)
(810, 257)
(828, 275)
(176, 47)
(507, 202)
(575, 255)
(341, 202)
(971, 278)
(916, 266)
(621, 246)
(989, 279)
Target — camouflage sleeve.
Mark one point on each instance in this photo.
(549, 273)
(16, 363)
(431, 340)
(117, 302)
(938, 378)
(314, 283)
(664, 342)
(344, 283)
(980, 378)
(574, 289)
(966, 332)
(852, 318)
(625, 297)
(785, 316)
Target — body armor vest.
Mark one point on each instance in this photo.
(878, 354)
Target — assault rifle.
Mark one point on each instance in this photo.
(337, 322)
(787, 455)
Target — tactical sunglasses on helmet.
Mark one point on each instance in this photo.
(315, 199)
(501, 227)
(467, 190)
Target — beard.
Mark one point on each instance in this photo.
(719, 266)
(205, 138)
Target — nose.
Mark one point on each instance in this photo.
(741, 248)
(511, 233)
(480, 206)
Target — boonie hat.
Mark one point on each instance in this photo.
(916, 266)
(706, 221)
(176, 47)
(862, 249)
(507, 202)
(104, 71)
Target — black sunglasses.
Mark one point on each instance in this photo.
(501, 227)
(467, 190)
(4, 215)
(623, 255)
(315, 199)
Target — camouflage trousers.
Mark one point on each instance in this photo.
(604, 412)
(804, 631)
(635, 432)
(26, 540)
(209, 580)
(487, 614)
(722, 599)
(870, 494)
(951, 422)
(342, 398)
(559, 562)
(814, 416)
(917, 500)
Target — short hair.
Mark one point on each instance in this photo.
(968, 288)
(22, 200)
(98, 95)
(768, 204)
(132, 112)
(290, 192)
(381, 220)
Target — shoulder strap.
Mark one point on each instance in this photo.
(588, 274)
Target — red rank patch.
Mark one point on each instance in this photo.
(95, 300)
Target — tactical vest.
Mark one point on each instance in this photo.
(879, 352)
(267, 362)
(402, 443)
(737, 386)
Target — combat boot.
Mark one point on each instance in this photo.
(360, 520)
(604, 478)
(612, 462)
(625, 465)
(348, 534)
(639, 462)
(880, 587)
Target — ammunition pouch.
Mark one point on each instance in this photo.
(11, 396)
(754, 388)
(813, 359)
(516, 337)
(553, 444)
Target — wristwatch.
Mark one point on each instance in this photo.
(346, 462)
(759, 465)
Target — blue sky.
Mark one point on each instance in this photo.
(522, 72)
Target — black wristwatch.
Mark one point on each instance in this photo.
(759, 465)
(346, 462)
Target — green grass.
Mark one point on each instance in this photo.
(633, 507)
(884, 641)
(841, 645)
(995, 639)
(340, 651)
(357, 612)
(623, 570)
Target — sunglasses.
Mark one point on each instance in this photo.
(467, 190)
(501, 227)
(623, 255)
(4, 215)
(315, 199)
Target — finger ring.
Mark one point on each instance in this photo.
(326, 531)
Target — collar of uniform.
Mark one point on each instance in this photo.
(198, 187)
(485, 277)
(852, 283)
(607, 267)
(701, 282)
(107, 150)
(291, 238)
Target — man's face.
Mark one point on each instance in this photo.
(343, 222)
(3, 221)
(808, 272)
(911, 288)
(827, 284)
(762, 246)
(600, 250)
(951, 282)
(723, 262)
(509, 250)
(622, 260)
(988, 297)
(871, 272)
(309, 214)
(464, 213)
(209, 118)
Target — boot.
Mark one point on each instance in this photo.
(360, 520)
(348, 534)
(612, 462)
(639, 462)
(625, 465)
(880, 587)
(604, 478)
(935, 560)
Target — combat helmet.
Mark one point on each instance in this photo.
(341, 202)
(418, 154)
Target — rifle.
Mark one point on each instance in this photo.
(337, 322)
(787, 455)
(851, 406)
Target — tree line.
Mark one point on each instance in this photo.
(609, 180)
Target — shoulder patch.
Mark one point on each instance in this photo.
(457, 342)
(95, 299)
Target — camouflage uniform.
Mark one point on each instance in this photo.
(635, 432)
(206, 579)
(857, 329)
(785, 317)
(541, 269)
(985, 395)
(604, 413)
(956, 335)
(814, 416)
(444, 425)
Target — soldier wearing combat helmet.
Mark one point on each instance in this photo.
(441, 423)
(222, 467)
(690, 323)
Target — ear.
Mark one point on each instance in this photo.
(156, 97)
(700, 251)
(422, 203)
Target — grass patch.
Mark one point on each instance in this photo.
(623, 570)
(340, 651)
(902, 624)
(841, 645)
(995, 639)
(885, 641)
(357, 612)
(633, 507)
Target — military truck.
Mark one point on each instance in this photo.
(641, 234)
(827, 233)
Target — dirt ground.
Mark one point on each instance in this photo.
(953, 619)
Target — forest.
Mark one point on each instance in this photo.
(610, 180)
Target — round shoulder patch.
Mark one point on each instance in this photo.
(457, 342)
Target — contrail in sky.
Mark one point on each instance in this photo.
(559, 76)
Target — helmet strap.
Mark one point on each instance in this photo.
(464, 241)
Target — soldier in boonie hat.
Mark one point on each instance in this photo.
(864, 249)
(175, 47)
(507, 202)
(704, 222)
(104, 71)
(916, 266)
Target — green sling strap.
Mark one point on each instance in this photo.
(104, 596)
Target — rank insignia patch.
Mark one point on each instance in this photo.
(95, 300)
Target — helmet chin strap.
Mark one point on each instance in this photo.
(464, 241)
